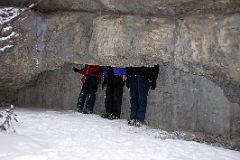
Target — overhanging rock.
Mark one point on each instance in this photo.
(194, 39)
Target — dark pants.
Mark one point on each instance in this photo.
(114, 94)
(139, 88)
(88, 93)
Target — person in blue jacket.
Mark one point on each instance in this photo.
(114, 78)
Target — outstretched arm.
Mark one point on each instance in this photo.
(154, 77)
(75, 69)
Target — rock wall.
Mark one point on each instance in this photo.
(205, 45)
(196, 44)
(139, 7)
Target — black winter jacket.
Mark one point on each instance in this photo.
(150, 73)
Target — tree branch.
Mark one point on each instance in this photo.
(7, 119)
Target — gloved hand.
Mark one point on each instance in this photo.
(127, 83)
(75, 69)
(104, 83)
(153, 84)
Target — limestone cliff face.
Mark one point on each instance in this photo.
(139, 7)
(196, 39)
(206, 45)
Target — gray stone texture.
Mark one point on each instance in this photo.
(205, 45)
(195, 42)
(140, 7)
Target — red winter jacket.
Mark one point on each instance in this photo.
(91, 69)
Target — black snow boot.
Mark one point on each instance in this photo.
(81, 101)
(105, 115)
(90, 102)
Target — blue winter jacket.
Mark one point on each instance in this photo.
(116, 70)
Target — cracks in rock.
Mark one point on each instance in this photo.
(103, 12)
(177, 11)
(87, 32)
(220, 83)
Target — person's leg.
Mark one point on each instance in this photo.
(133, 85)
(143, 88)
(117, 96)
(91, 96)
(109, 97)
(82, 98)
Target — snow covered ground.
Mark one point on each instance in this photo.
(50, 135)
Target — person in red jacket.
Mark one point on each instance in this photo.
(91, 78)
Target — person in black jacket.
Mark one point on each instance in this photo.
(140, 79)
(114, 78)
